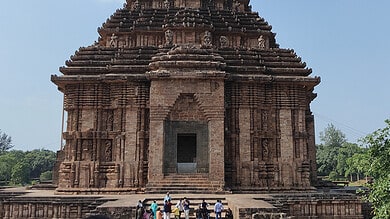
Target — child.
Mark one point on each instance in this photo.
(176, 212)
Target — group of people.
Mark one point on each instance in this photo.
(204, 213)
(182, 206)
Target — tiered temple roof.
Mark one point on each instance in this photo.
(133, 35)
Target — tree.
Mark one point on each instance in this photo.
(378, 144)
(5, 142)
(7, 161)
(358, 164)
(346, 151)
(332, 137)
(327, 153)
(20, 167)
(39, 161)
(20, 173)
(48, 175)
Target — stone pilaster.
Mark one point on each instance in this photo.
(130, 150)
(245, 144)
(216, 145)
(156, 147)
(286, 147)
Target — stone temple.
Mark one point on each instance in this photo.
(193, 97)
(187, 87)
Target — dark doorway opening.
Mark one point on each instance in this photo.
(186, 148)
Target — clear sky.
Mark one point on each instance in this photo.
(345, 42)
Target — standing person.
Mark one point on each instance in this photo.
(198, 212)
(229, 214)
(186, 207)
(159, 214)
(167, 209)
(154, 207)
(176, 213)
(179, 205)
(218, 207)
(139, 204)
(140, 210)
(204, 209)
(167, 197)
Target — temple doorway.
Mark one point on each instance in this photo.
(186, 153)
(186, 147)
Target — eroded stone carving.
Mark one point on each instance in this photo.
(108, 150)
(207, 39)
(113, 41)
(224, 41)
(136, 5)
(168, 38)
(261, 42)
(266, 148)
(167, 4)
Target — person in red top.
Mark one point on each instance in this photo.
(167, 209)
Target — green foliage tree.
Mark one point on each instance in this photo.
(39, 161)
(327, 153)
(358, 164)
(20, 173)
(334, 155)
(5, 142)
(7, 161)
(18, 167)
(346, 151)
(378, 144)
(48, 175)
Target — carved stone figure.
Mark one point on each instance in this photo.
(224, 41)
(265, 148)
(113, 40)
(237, 5)
(261, 42)
(264, 120)
(167, 4)
(168, 38)
(110, 121)
(136, 5)
(207, 39)
(108, 151)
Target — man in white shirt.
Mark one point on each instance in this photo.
(218, 207)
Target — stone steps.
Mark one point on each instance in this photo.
(184, 183)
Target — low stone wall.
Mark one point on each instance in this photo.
(21, 205)
(116, 212)
(300, 206)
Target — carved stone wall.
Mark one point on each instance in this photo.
(266, 136)
(106, 136)
(47, 207)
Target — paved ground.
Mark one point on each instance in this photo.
(237, 200)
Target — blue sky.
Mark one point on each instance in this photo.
(344, 42)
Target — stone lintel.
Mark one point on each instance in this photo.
(181, 74)
(63, 80)
(308, 81)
